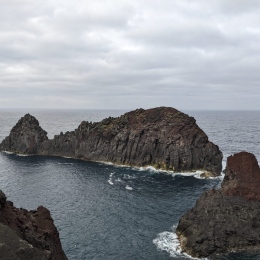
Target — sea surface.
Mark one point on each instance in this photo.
(107, 212)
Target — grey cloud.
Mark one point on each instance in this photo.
(110, 54)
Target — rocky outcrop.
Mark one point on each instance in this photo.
(25, 136)
(162, 137)
(227, 219)
(28, 234)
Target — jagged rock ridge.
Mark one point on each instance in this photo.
(227, 219)
(162, 137)
(28, 234)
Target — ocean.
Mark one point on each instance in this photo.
(108, 212)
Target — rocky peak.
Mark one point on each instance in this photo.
(27, 121)
(157, 115)
(25, 136)
(242, 176)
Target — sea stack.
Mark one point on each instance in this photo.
(228, 219)
(28, 234)
(162, 137)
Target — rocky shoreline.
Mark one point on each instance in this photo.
(228, 219)
(162, 137)
(28, 234)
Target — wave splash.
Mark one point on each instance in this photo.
(169, 242)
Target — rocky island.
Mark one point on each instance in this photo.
(228, 219)
(28, 234)
(162, 137)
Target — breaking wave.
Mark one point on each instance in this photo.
(169, 242)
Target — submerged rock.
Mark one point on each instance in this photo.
(228, 219)
(162, 137)
(28, 234)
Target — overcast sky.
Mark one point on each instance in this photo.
(187, 54)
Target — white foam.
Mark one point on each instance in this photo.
(67, 157)
(110, 182)
(7, 152)
(107, 163)
(128, 187)
(65, 163)
(169, 242)
(152, 169)
(127, 176)
(196, 174)
(23, 155)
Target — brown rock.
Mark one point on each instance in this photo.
(242, 176)
(227, 219)
(36, 231)
(14, 248)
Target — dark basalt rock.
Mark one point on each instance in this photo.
(28, 234)
(162, 137)
(14, 248)
(227, 219)
(25, 136)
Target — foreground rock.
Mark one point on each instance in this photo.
(227, 219)
(28, 234)
(162, 137)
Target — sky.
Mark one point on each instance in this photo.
(127, 54)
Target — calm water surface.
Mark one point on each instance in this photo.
(108, 212)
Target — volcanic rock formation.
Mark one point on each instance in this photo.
(162, 137)
(28, 234)
(227, 219)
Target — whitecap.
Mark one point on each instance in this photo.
(127, 176)
(65, 163)
(128, 187)
(110, 182)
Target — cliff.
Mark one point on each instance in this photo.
(28, 234)
(228, 219)
(162, 137)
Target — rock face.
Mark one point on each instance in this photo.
(25, 136)
(28, 234)
(227, 219)
(162, 137)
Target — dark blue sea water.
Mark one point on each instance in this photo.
(108, 212)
